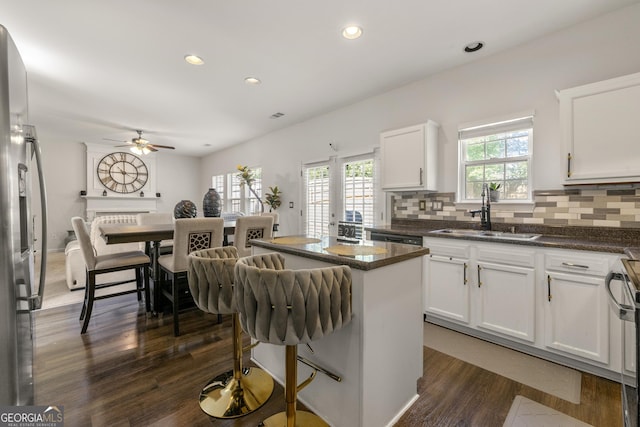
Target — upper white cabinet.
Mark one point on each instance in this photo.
(409, 157)
(600, 131)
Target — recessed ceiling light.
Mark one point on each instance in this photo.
(473, 47)
(194, 59)
(252, 80)
(352, 32)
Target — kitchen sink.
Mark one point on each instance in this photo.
(486, 233)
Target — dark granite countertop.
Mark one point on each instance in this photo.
(598, 239)
(394, 252)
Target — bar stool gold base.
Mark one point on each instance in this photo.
(303, 419)
(226, 397)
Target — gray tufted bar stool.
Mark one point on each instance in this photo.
(240, 391)
(291, 307)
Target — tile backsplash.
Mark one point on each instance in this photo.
(618, 208)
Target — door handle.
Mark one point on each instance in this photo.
(479, 281)
(549, 287)
(623, 311)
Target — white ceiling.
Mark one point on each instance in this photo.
(100, 69)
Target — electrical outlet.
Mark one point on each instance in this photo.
(436, 205)
(422, 205)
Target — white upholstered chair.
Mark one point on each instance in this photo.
(153, 218)
(190, 234)
(251, 227)
(108, 263)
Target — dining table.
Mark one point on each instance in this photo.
(151, 235)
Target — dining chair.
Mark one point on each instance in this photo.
(153, 218)
(251, 227)
(108, 263)
(190, 234)
(276, 220)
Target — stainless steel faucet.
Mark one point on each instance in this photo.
(485, 210)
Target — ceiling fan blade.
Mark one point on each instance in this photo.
(115, 140)
(151, 148)
(161, 146)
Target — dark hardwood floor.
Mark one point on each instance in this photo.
(129, 370)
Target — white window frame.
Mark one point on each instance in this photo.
(523, 120)
(237, 198)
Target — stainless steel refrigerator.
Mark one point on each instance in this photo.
(19, 174)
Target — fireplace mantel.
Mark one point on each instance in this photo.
(116, 203)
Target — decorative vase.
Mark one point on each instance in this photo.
(71, 236)
(211, 203)
(185, 209)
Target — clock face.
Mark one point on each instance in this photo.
(122, 172)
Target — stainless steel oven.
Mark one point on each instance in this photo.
(626, 305)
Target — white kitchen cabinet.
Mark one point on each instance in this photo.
(447, 288)
(548, 302)
(506, 282)
(409, 157)
(601, 118)
(576, 308)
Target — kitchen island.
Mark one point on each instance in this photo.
(379, 354)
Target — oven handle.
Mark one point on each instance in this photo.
(623, 311)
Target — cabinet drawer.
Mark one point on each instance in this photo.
(577, 263)
(511, 256)
(448, 250)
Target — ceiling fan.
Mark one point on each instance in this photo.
(140, 145)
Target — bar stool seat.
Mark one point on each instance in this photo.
(291, 307)
(239, 391)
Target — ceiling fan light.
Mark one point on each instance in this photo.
(145, 150)
(136, 150)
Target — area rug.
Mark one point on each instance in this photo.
(527, 413)
(534, 372)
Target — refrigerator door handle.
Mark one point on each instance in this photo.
(30, 136)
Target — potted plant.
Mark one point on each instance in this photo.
(247, 177)
(494, 191)
(273, 198)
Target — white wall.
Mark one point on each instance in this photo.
(64, 165)
(520, 79)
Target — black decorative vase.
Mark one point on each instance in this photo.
(185, 209)
(211, 203)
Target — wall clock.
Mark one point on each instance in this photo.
(122, 172)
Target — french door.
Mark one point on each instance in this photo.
(339, 189)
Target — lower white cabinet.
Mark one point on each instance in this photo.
(577, 316)
(576, 306)
(507, 300)
(550, 301)
(447, 293)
